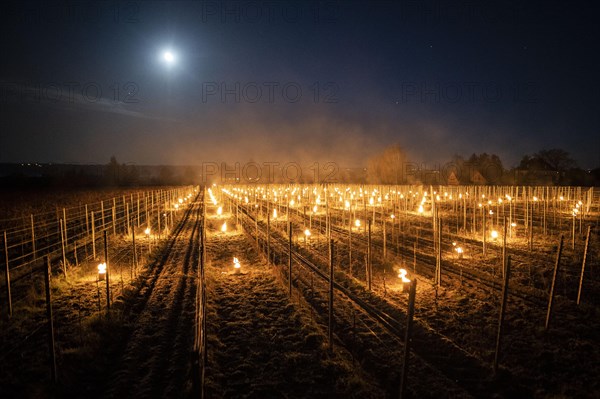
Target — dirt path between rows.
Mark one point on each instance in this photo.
(156, 361)
(260, 345)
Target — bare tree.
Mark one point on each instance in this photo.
(557, 159)
(387, 167)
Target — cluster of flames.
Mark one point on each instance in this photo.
(356, 197)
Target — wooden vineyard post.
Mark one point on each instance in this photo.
(551, 298)
(65, 225)
(464, 214)
(506, 273)
(114, 216)
(384, 238)
(33, 238)
(585, 251)
(393, 217)
(107, 275)
(93, 236)
(127, 217)
(202, 311)
(573, 233)
(504, 246)
(415, 257)
(87, 229)
(407, 337)
(64, 255)
(544, 215)
(102, 214)
(330, 330)
(203, 342)
(268, 238)
(510, 216)
(256, 229)
(52, 353)
(350, 241)
(484, 230)
(365, 212)
(474, 219)
(290, 257)
(438, 276)
(158, 219)
(7, 277)
(368, 271)
(531, 228)
(135, 261)
(75, 253)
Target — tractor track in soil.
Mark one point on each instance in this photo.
(156, 360)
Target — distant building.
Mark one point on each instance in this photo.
(453, 180)
(477, 178)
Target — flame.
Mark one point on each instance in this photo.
(147, 231)
(402, 275)
(236, 263)
(220, 210)
(224, 227)
(212, 197)
(421, 210)
(102, 268)
(307, 232)
(494, 234)
(357, 222)
(274, 213)
(315, 209)
(459, 250)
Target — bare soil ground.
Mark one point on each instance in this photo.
(260, 344)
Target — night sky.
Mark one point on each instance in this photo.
(311, 81)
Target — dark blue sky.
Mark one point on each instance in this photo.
(297, 81)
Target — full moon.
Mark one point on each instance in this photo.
(169, 57)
